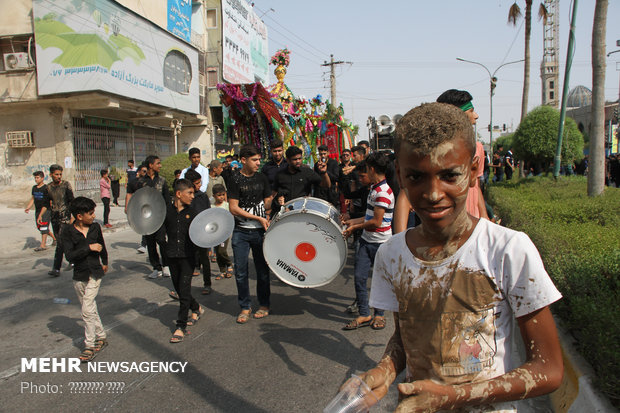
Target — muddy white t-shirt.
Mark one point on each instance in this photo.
(456, 315)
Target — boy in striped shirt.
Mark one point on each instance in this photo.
(377, 229)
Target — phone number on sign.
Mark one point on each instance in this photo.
(73, 387)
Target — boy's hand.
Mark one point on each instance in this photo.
(378, 379)
(26, 210)
(95, 247)
(423, 396)
(350, 228)
(264, 223)
(105, 267)
(348, 169)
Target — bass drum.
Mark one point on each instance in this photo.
(304, 245)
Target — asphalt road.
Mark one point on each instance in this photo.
(292, 361)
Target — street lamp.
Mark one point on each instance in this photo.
(493, 80)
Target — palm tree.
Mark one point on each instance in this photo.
(513, 16)
(596, 166)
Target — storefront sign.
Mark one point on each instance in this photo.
(180, 18)
(97, 45)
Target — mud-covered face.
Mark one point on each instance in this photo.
(437, 184)
(56, 176)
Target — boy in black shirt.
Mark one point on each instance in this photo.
(179, 251)
(84, 246)
(40, 199)
(249, 195)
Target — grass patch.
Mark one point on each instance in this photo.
(579, 240)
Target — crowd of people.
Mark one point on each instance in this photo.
(455, 282)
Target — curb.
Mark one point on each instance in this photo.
(577, 394)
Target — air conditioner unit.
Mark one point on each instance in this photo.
(16, 61)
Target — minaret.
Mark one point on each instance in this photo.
(550, 66)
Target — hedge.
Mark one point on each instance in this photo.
(579, 240)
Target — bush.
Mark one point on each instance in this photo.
(172, 163)
(579, 241)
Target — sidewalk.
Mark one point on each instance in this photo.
(19, 235)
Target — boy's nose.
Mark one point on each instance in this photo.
(433, 191)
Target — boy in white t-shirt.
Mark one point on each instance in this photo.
(377, 229)
(457, 284)
(221, 251)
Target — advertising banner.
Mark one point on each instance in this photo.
(245, 51)
(180, 18)
(98, 45)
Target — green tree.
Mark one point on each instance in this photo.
(536, 137)
(506, 141)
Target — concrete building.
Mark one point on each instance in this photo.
(91, 85)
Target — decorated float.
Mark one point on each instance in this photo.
(253, 114)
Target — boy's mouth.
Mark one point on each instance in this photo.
(436, 212)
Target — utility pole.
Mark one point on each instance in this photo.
(332, 76)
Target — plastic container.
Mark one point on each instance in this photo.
(61, 300)
(354, 397)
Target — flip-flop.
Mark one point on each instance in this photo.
(262, 313)
(243, 318)
(88, 354)
(378, 323)
(193, 321)
(354, 325)
(174, 295)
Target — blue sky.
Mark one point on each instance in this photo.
(403, 53)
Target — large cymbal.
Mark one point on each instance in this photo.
(146, 210)
(211, 227)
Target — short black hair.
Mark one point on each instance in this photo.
(229, 157)
(55, 167)
(360, 143)
(177, 172)
(358, 148)
(142, 165)
(81, 205)
(103, 172)
(276, 143)
(218, 189)
(292, 151)
(182, 184)
(346, 150)
(150, 160)
(455, 97)
(247, 151)
(130, 161)
(361, 167)
(378, 161)
(323, 148)
(192, 175)
(38, 173)
(193, 151)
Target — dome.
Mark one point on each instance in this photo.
(579, 97)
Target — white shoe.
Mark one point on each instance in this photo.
(155, 274)
(141, 249)
(166, 272)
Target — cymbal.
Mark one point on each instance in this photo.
(211, 227)
(146, 210)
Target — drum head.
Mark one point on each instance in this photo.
(305, 249)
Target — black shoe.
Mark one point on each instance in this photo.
(352, 309)
(206, 291)
(54, 273)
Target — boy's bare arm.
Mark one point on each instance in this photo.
(30, 204)
(401, 213)
(540, 374)
(392, 363)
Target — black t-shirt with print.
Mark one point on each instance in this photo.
(251, 192)
(41, 197)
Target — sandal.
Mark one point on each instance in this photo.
(100, 344)
(243, 318)
(174, 295)
(88, 354)
(219, 277)
(261, 313)
(38, 249)
(378, 323)
(229, 272)
(177, 338)
(354, 325)
(193, 321)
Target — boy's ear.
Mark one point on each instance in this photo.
(475, 164)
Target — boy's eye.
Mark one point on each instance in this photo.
(450, 176)
(414, 177)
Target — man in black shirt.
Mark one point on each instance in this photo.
(330, 193)
(40, 199)
(297, 180)
(249, 195)
(154, 180)
(179, 251)
(276, 164)
(509, 164)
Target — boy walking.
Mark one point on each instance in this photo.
(377, 229)
(221, 251)
(40, 199)
(84, 246)
(458, 284)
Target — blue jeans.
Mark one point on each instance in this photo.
(364, 261)
(242, 242)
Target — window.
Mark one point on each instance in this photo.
(211, 18)
(551, 95)
(551, 84)
(14, 53)
(177, 72)
(212, 77)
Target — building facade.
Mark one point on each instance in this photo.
(89, 85)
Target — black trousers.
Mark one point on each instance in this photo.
(116, 189)
(202, 260)
(59, 252)
(181, 270)
(152, 241)
(106, 210)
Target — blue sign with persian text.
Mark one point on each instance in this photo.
(180, 18)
